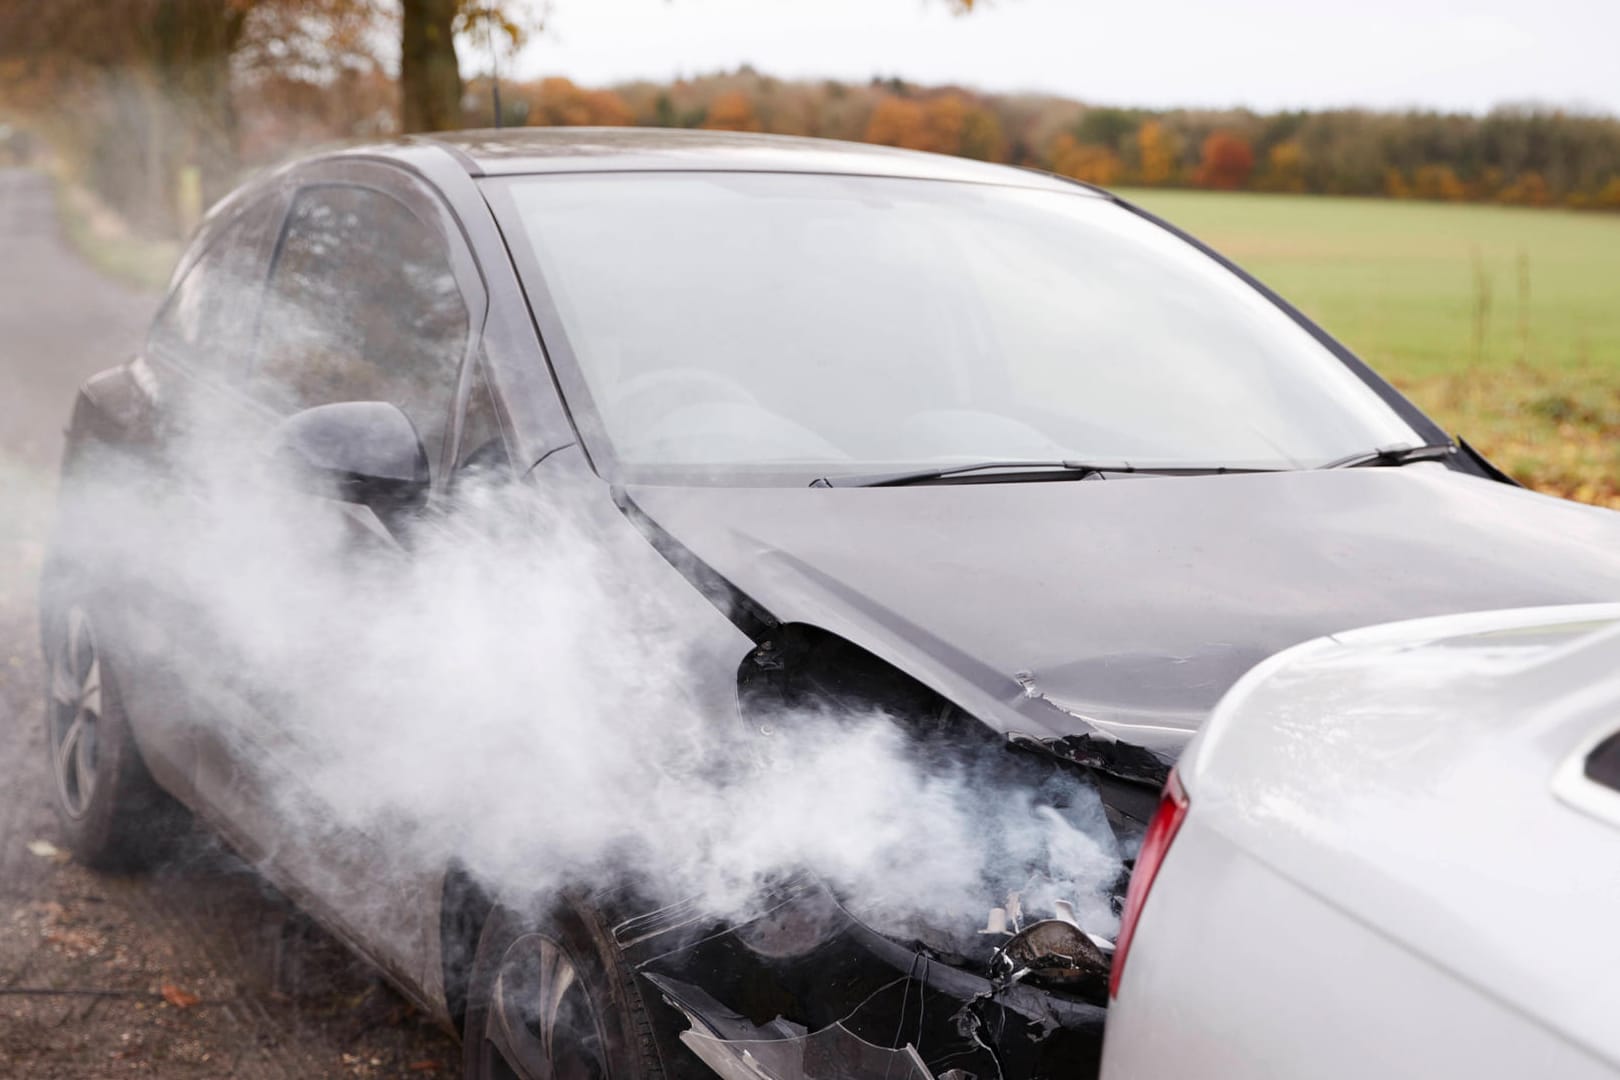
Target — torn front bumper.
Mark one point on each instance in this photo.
(805, 991)
(738, 1049)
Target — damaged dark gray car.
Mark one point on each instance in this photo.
(993, 453)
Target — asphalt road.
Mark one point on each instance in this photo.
(253, 990)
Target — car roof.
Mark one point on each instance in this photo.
(528, 150)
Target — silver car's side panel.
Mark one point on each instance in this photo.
(1237, 972)
(1376, 876)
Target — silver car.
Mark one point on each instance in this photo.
(1392, 852)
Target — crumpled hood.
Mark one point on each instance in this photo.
(1134, 602)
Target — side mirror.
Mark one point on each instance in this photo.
(365, 452)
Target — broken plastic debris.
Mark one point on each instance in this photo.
(1026, 682)
(737, 1049)
(1101, 752)
(833, 1052)
(47, 850)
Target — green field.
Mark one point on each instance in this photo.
(1502, 322)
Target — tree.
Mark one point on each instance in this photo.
(982, 138)
(1155, 153)
(1527, 189)
(161, 82)
(151, 81)
(732, 111)
(557, 102)
(1226, 162)
(1609, 197)
(944, 122)
(1106, 127)
(1091, 164)
(429, 71)
(1285, 167)
(1438, 182)
(897, 121)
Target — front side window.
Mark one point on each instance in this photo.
(786, 326)
(482, 447)
(362, 305)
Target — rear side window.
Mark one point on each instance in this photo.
(207, 323)
(362, 305)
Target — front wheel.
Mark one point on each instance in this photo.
(552, 998)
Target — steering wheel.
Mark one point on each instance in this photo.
(642, 400)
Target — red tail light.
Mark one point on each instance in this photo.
(1155, 844)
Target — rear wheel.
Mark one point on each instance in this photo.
(551, 998)
(113, 815)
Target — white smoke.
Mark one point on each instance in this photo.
(514, 693)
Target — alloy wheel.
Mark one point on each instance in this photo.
(76, 712)
(541, 1024)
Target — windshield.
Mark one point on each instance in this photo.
(749, 326)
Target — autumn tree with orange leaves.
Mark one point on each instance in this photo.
(1225, 163)
(1155, 153)
(1085, 162)
(732, 111)
(944, 124)
(1438, 182)
(1285, 167)
(558, 102)
(147, 87)
(430, 70)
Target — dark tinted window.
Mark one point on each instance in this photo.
(1603, 765)
(208, 320)
(362, 306)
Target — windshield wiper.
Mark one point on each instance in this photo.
(1394, 455)
(1003, 471)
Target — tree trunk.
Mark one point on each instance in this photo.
(194, 40)
(429, 74)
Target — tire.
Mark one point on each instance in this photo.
(112, 813)
(597, 1025)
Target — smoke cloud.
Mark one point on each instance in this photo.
(516, 693)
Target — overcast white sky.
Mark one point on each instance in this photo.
(1466, 54)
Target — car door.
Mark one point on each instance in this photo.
(371, 295)
(194, 353)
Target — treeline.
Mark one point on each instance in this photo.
(1523, 156)
(160, 115)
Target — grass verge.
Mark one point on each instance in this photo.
(1502, 323)
(103, 238)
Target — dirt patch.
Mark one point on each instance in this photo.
(198, 970)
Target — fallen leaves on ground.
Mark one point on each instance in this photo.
(74, 941)
(180, 999)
